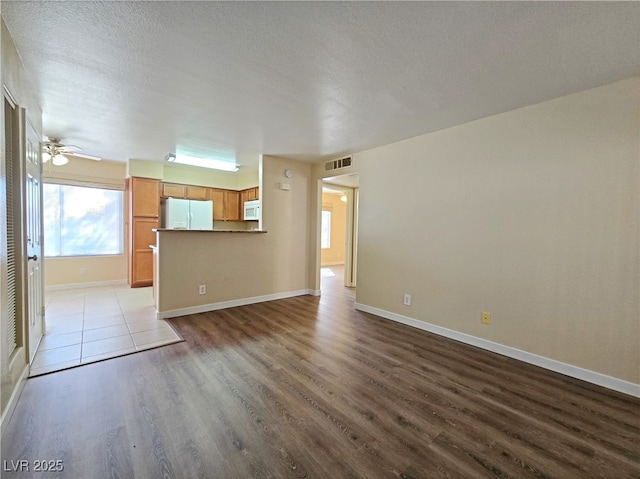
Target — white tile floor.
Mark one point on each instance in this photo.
(92, 324)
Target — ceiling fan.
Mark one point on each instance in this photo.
(55, 151)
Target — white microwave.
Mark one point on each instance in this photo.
(251, 210)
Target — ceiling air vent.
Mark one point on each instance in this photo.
(336, 164)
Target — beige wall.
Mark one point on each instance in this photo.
(12, 370)
(235, 266)
(246, 177)
(532, 215)
(98, 269)
(89, 172)
(335, 254)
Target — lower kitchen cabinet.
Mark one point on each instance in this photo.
(141, 257)
(142, 269)
(144, 216)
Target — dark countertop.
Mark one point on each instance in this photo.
(162, 230)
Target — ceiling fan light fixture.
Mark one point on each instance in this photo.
(59, 160)
(54, 151)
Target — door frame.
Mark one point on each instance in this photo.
(351, 231)
(35, 305)
(20, 354)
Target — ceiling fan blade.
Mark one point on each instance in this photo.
(54, 147)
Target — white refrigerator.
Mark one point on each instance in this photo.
(187, 214)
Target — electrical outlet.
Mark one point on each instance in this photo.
(407, 299)
(83, 270)
(485, 318)
(202, 289)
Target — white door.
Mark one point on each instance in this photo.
(35, 281)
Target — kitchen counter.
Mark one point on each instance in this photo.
(162, 230)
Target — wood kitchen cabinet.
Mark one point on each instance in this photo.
(217, 196)
(197, 192)
(232, 205)
(174, 190)
(191, 192)
(144, 197)
(249, 194)
(226, 204)
(144, 216)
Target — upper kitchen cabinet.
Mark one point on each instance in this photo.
(226, 204)
(144, 197)
(233, 206)
(197, 192)
(191, 192)
(174, 190)
(250, 194)
(217, 195)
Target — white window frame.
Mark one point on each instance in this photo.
(111, 187)
(325, 228)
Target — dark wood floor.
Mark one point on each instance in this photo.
(309, 387)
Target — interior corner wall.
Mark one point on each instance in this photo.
(532, 215)
(285, 215)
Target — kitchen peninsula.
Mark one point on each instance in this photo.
(268, 260)
(203, 270)
(146, 195)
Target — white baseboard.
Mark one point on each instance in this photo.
(203, 308)
(89, 284)
(593, 377)
(13, 400)
(335, 263)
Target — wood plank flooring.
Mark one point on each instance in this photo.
(309, 387)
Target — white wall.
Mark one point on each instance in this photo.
(532, 215)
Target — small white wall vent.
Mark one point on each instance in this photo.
(337, 164)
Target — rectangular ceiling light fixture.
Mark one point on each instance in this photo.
(202, 162)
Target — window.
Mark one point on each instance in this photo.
(325, 238)
(82, 221)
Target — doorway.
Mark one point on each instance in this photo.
(339, 226)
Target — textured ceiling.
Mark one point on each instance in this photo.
(309, 80)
